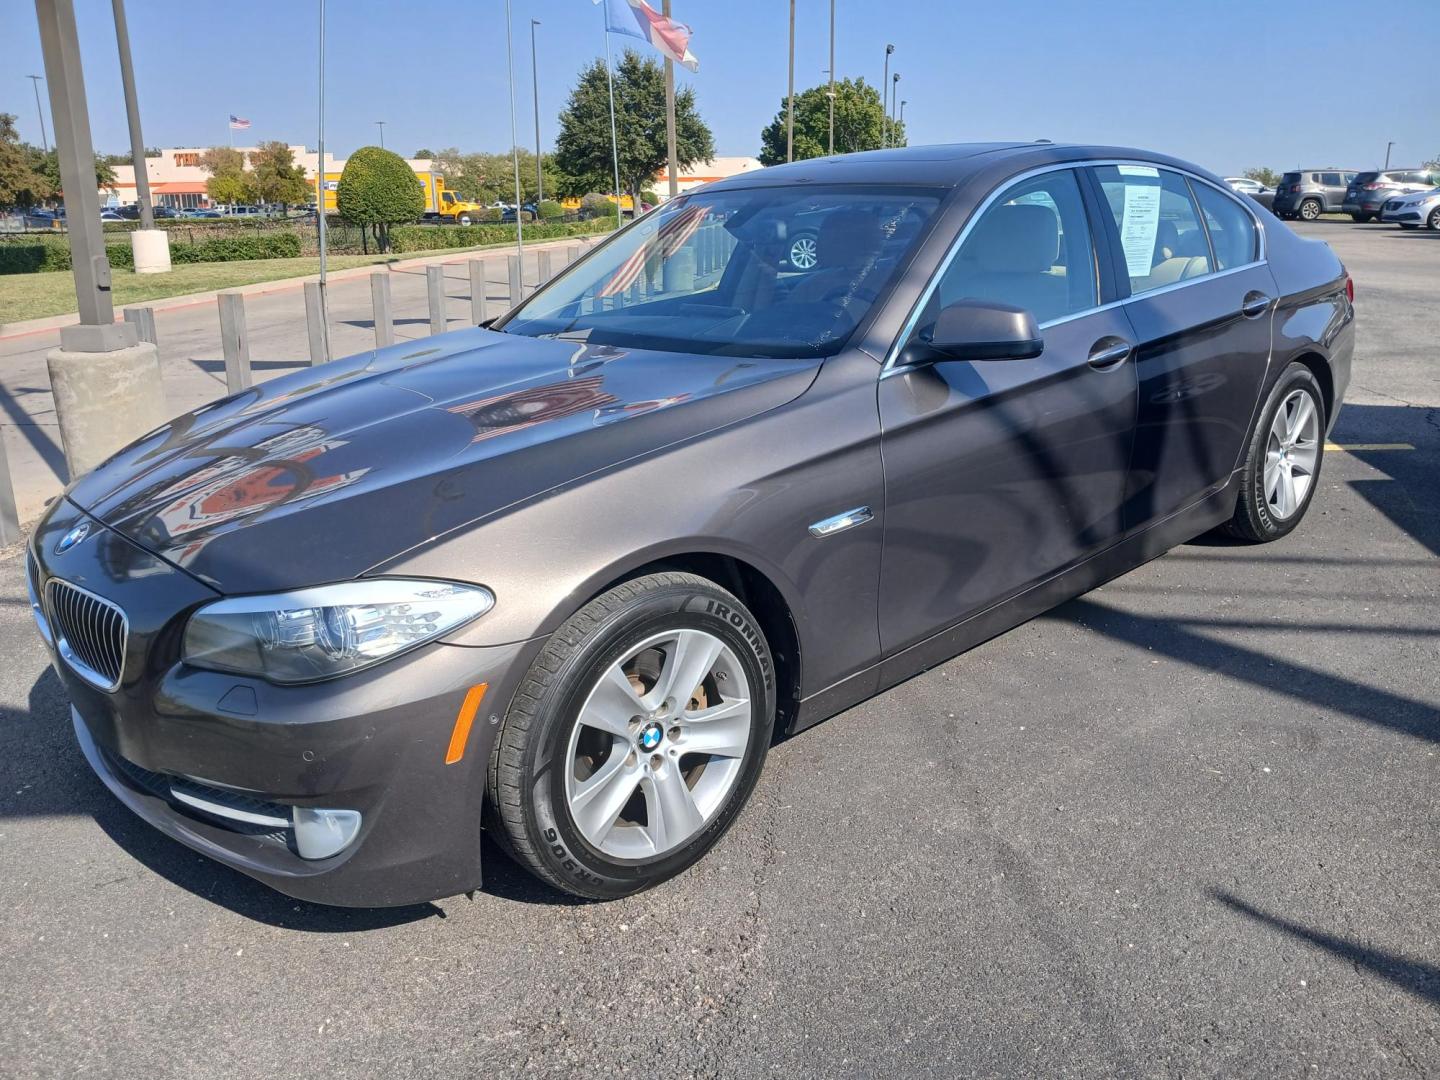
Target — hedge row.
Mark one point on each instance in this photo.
(433, 237)
(30, 255)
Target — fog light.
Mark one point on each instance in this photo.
(321, 833)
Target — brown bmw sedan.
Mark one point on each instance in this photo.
(776, 446)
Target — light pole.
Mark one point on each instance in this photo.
(44, 141)
(105, 380)
(894, 105)
(514, 147)
(535, 90)
(902, 112)
(1388, 147)
(831, 93)
(381, 125)
(790, 96)
(320, 195)
(885, 99)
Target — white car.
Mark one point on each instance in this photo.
(1413, 210)
(1245, 186)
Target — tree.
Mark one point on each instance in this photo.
(20, 181)
(228, 181)
(859, 123)
(1433, 163)
(423, 154)
(583, 148)
(377, 190)
(49, 168)
(1268, 177)
(487, 178)
(274, 176)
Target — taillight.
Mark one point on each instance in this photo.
(1373, 187)
(1349, 288)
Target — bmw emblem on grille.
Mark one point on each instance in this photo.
(73, 537)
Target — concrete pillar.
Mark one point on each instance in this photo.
(152, 251)
(517, 285)
(315, 326)
(143, 319)
(9, 517)
(479, 302)
(435, 297)
(234, 340)
(380, 301)
(104, 401)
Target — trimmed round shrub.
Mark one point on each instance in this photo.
(377, 190)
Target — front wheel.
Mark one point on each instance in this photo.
(1282, 459)
(1433, 221)
(636, 737)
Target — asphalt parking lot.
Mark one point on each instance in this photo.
(1186, 825)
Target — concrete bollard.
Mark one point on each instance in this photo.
(435, 297)
(9, 515)
(144, 320)
(573, 254)
(234, 340)
(105, 400)
(380, 301)
(517, 285)
(479, 302)
(151, 251)
(316, 327)
(542, 260)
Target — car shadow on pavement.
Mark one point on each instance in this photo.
(1414, 976)
(1407, 494)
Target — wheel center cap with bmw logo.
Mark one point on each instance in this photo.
(73, 537)
(650, 736)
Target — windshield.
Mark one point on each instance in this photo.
(767, 272)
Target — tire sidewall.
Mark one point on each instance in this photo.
(1258, 508)
(566, 853)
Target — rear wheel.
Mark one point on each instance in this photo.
(636, 738)
(1282, 459)
(1311, 209)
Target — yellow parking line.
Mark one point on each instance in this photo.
(1370, 446)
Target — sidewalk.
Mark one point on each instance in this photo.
(191, 363)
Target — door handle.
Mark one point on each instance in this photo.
(1254, 305)
(1109, 352)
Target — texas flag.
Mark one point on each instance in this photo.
(636, 18)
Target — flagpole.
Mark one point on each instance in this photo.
(614, 138)
(515, 151)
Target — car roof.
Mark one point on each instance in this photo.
(946, 165)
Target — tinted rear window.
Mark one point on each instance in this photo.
(1365, 177)
(1290, 178)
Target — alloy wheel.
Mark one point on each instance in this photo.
(804, 253)
(658, 745)
(1309, 209)
(1434, 220)
(1291, 454)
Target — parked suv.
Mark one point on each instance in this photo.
(1308, 193)
(1370, 190)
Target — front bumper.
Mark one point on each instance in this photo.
(1408, 213)
(373, 742)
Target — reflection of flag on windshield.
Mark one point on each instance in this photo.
(669, 239)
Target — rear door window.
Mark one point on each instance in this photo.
(1161, 238)
(1231, 229)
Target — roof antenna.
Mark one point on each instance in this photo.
(1044, 140)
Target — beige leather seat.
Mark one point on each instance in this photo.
(1009, 258)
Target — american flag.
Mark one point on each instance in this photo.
(238, 123)
(669, 239)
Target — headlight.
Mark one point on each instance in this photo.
(330, 630)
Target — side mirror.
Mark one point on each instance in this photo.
(977, 330)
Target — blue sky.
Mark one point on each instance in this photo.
(1226, 83)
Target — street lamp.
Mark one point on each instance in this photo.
(44, 141)
(830, 91)
(535, 90)
(902, 112)
(885, 99)
(1388, 147)
(381, 125)
(894, 104)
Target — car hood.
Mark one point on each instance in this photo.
(1420, 197)
(320, 475)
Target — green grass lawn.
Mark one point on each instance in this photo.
(34, 296)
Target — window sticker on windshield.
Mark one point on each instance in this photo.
(1138, 170)
(1139, 226)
